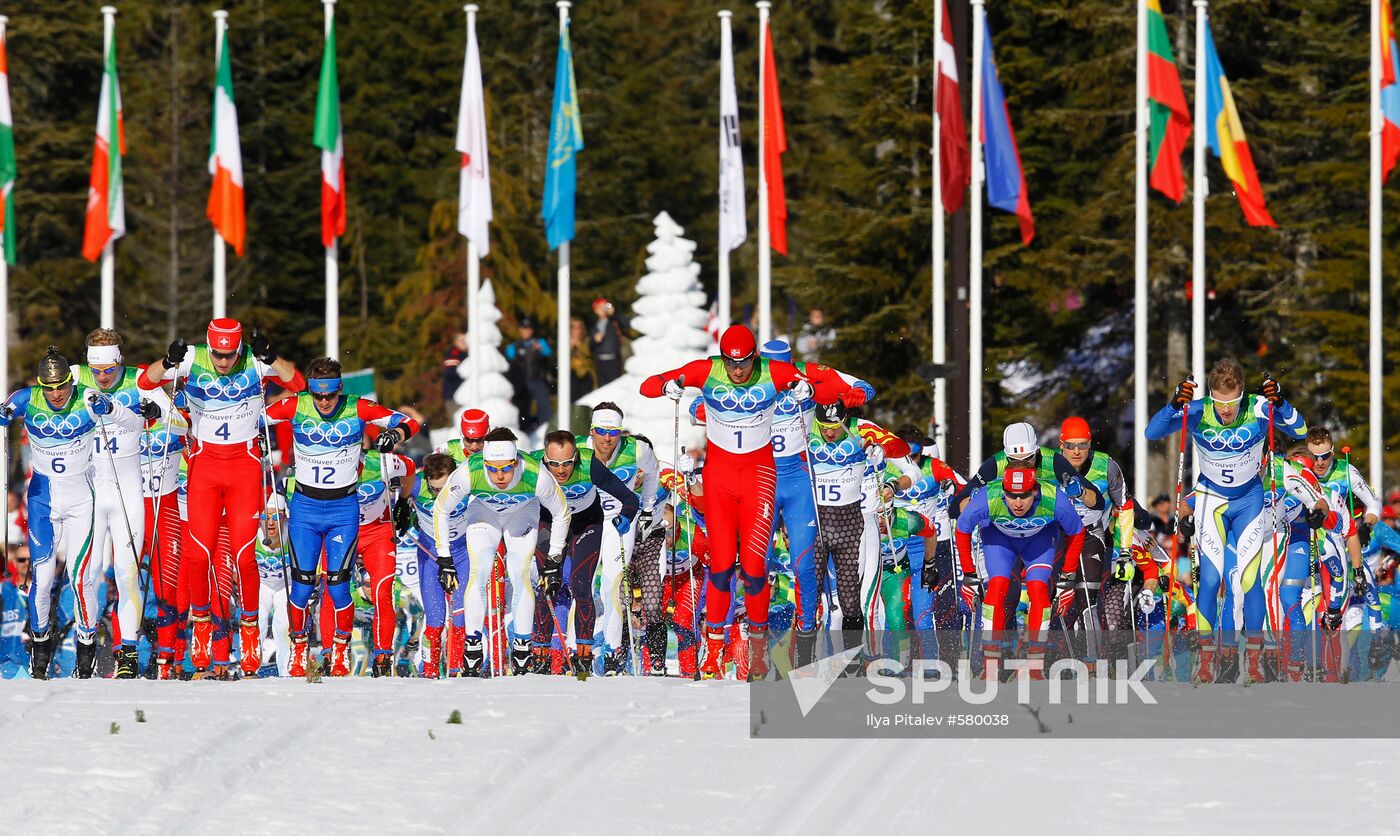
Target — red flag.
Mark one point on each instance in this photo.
(955, 163)
(774, 145)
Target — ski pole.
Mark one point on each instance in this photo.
(121, 500)
(1176, 530)
(698, 578)
(270, 488)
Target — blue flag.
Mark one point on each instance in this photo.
(565, 140)
(1006, 180)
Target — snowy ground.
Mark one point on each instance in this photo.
(554, 755)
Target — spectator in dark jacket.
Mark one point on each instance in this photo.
(608, 332)
(530, 366)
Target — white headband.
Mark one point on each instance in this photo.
(104, 355)
(607, 419)
(499, 451)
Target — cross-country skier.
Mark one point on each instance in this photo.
(1345, 479)
(584, 479)
(328, 429)
(1231, 430)
(474, 425)
(1020, 449)
(741, 393)
(224, 384)
(1106, 477)
(438, 577)
(272, 554)
(162, 457)
(507, 491)
(63, 420)
(379, 471)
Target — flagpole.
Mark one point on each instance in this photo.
(108, 310)
(726, 38)
(974, 278)
(473, 279)
(1377, 428)
(1140, 263)
(332, 252)
(4, 262)
(220, 282)
(765, 253)
(561, 331)
(940, 291)
(1200, 189)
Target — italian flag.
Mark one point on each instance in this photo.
(106, 210)
(328, 139)
(8, 168)
(1169, 118)
(225, 207)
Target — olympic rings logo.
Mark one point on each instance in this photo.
(368, 492)
(223, 388)
(740, 398)
(842, 454)
(1231, 439)
(155, 445)
(506, 500)
(58, 426)
(788, 405)
(577, 490)
(324, 432)
(1021, 525)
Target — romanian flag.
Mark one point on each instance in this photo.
(1169, 118)
(1390, 92)
(1225, 135)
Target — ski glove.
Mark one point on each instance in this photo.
(1363, 531)
(552, 577)
(930, 576)
(686, 464)
(801, 391)
(389, 440)
(622, 523)
(673, 390)
(1186, 526)
(101, 404)
(1064, 592)
(1072, 486)
(1359, 585)
(875, 456)
(971, 589)
(175, 354)
(1317, 517)
(645, 524)
(1272, 391)
(150, 410)
(447, 575)
(1185, 391)
(1146, 601)
(1332, 619)
(403, 515)
(262, 349)
(853, 397)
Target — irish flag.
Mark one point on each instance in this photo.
(328, 139)
(8, 168)
(106, 210)
(225, 207)
(1170, 124)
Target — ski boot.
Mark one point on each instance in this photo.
(127, 662)
(615, 663)
(297, 666)
(1229, 670)
(713, 666)
(758, 654)
(432, 664)
(41, 655)
(806, 647)
(201, 641)
(991, 663)
(655, 640)
(540, 660)
(1254, 661)
(249, 645)
(1205, 663)
(165, 665)
(87, 657)
(404, 666)
(520, 657)
(581, 662)
(1036, 657)
(475, 658)
(340, 656)
(456, 650)
(383, 665)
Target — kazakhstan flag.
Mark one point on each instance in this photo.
(565, 140)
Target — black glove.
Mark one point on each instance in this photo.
(262, 349)
(552, 577)
(1185, 391)
(150, 410)
(1186, 526)
(1064, 591)
(1363, 530)
(403, 515)
(1359, 585)
(642, 523)
(1272, 391)
(1316, 517)
(1332, 619)
(388, 440)
(447, 575)
(175, 353)
(930, 576)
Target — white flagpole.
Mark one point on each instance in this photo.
(332, 252)
(1377, 425)
(1140, 264)
(940, 328)
(5, 265)
(1200, 189)
(109, 273)
(726, 40)
(765, 253)
(561, 332)
(473, 280)
(974, 279)
(220, 283)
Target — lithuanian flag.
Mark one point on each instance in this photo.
(1169, 118)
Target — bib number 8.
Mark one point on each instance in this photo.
(779, 444)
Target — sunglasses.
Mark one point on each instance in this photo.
(824, 425)
(1021, 495)
(1231, 402)
(606, 433)
(743, 361)
(325, 396)
(1323, 456)
(62, 384)
(1076, 445)
(505, 468)
(220, 355)
(107, 369)
(466, 440)
(558, 463)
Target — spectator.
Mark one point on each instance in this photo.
(418, 446)
(14, 605)
(607, 341)
(583, 377)
(816, 337)
(451, 372)
(529, 372)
